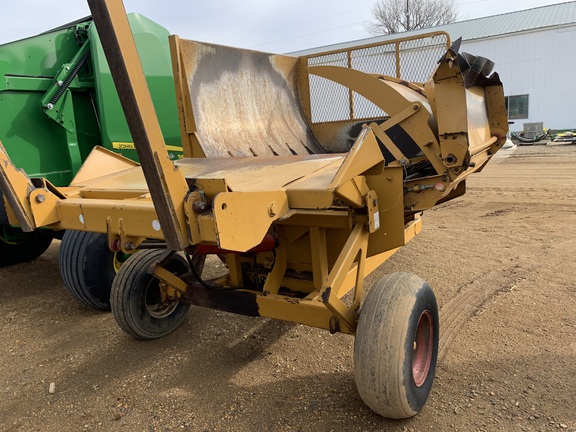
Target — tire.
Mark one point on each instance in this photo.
(396, 346)
(17, 246)
(88, 267)
(136, 297)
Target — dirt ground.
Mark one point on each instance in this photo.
(501, 261)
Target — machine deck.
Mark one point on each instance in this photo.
(242, 174)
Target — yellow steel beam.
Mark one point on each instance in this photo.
(308, 312)
(187, 123)
(139, 216)
(276, 275)
(319, 256)
(234, 269)
(167, 185)
(16, 187)
(342, 314)
(358, 240)
(334, 281)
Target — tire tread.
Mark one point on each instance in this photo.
(83, 269)
(380, 348)
(124, 297)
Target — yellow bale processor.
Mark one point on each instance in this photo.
(303, 174)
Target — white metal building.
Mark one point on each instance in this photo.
(535, 55)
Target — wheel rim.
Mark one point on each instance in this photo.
(8, 242)
(423, 348)
(12, 236)
(119, 259)
(158, 304)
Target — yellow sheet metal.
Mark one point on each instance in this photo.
(262, 174)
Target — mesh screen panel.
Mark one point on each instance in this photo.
(410, 59)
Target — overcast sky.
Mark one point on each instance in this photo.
(273, 25)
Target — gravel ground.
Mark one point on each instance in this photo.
(500, 259)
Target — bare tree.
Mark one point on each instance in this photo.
(395, 16)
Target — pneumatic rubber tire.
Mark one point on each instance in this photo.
(30, 247)
(136, 297)
(87, 267)
(396, 346)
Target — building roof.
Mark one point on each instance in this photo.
(557, 15)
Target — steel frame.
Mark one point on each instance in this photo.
(339, 231)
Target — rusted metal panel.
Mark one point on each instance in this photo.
(245, 103)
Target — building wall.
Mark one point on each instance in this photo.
(541, 64)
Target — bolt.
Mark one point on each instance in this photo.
(129, 246)
(200, 206)
(272, 209)
(60, 83)
(49, 106)
(40, 198)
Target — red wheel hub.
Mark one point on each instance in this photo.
(423, 348)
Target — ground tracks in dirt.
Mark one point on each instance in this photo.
(472, 299)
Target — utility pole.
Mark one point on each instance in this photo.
(408, 15)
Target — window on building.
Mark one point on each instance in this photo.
(517, 107)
